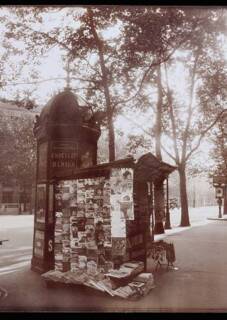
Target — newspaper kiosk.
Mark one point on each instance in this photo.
(93, 222)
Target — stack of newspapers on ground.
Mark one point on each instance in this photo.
(128, 282)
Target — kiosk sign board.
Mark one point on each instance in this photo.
(219, 192)
(63, 158)
(219, 182)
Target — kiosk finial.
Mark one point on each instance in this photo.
(68, 74)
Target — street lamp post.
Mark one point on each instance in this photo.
(219, 207)
(219, 184)
(220, 181)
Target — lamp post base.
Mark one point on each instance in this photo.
(219, 214)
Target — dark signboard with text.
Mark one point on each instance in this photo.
(63, 158)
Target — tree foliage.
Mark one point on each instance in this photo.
(184, 117)
(121, 59)
(18, 150)
(94, 59)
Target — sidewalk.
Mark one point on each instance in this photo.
(198, 217)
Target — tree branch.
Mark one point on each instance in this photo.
(169, 154)
(152, 65)
(173, 123)
(96, 70)
(138, 125)
(204, 133)
(50, 79)
(33, 82)
(47, 36)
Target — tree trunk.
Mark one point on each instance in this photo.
(109, 108)
(158, 122)
(183, 198)
(159, 208)
(19, 208)
(111, 139)
(159, 199)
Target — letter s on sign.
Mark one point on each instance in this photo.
(50, 245)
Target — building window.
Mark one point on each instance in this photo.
(7, 196)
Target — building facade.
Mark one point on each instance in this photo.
(14, 200)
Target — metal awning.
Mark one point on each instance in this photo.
(150, 168)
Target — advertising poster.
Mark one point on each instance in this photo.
(51, 202)
(121, 185)
(118, 222)
(126, 206)
(107, 235)
(118, 246)
(86, 159)
(86, 205)
(118, 228)
(39, 244)
(41, 203)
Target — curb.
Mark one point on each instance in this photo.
(217, 219)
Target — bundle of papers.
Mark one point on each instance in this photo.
(134, 267)
(100, 285)
(117, 273)
(53, 275)
(66, 277)
(140, 286)
(127, 269)
(124, 292)
(144, 282)
(145, 277)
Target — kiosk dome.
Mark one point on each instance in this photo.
(63, 111)
(62, 107)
